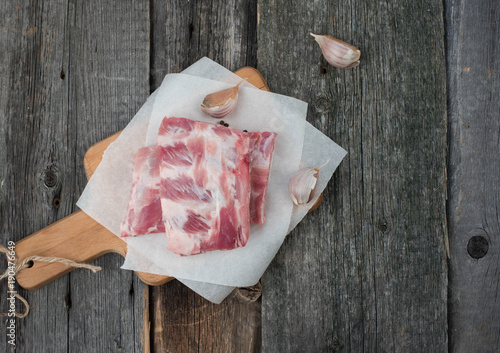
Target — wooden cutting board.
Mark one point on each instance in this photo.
(79, 237)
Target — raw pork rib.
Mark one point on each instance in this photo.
(144, 208)
(215, 182)
(205, 185)
(262, 147)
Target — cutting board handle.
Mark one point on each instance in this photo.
(77, 237)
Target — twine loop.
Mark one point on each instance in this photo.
(26, 264)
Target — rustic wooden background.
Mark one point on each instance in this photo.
(403, 254)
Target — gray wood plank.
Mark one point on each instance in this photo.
(75, 72)
(108, 76)
(183, 32)
(366, 272)
(35, 167)
(473, 42)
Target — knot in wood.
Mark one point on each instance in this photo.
(323, 105)
(477, 247)
(249, 294)
(50, 176)
(382, 225)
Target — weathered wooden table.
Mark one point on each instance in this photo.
(403, 254)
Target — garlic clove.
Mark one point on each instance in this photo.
(221, 103)
(303, 184)
(338, 53)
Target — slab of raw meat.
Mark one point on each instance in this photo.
(144, 208)
(262, 147)
(205, 185)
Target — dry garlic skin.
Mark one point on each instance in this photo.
(303, 184)
(338, 53)
(221, 103)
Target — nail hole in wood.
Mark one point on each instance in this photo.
(323, 70)
(477, 247)
(56, 202)
(29, 264)
(62, 75)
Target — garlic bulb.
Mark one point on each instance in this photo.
(302, 185)
(338, 53)
(221, 103)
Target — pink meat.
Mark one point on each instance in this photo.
(262, 146)
(205, 185)
(144, 208)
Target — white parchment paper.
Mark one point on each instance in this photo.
(214, 274)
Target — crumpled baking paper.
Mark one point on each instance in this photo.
(214, 274)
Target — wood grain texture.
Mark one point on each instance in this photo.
(183, 32)
(74, 73)
(366, 272)
(35, 167)
(473, 32)
(185, 322)
(108, 78)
